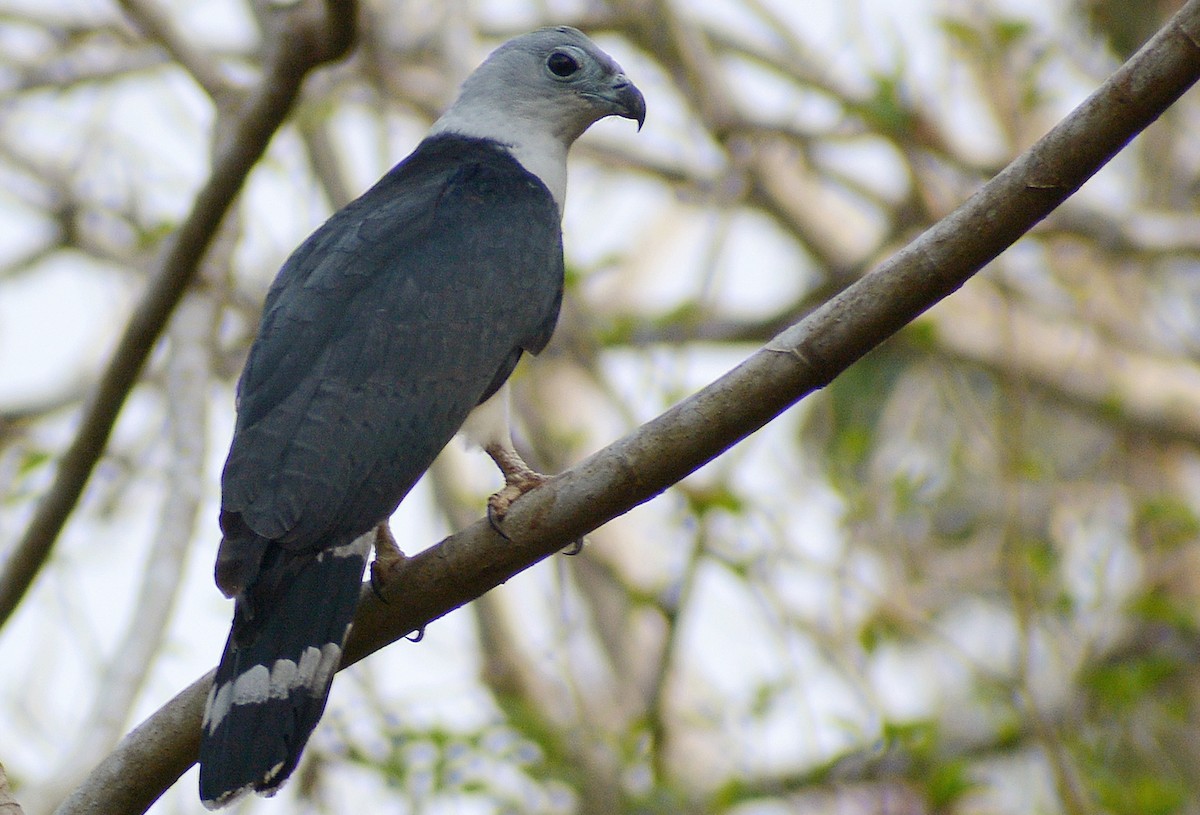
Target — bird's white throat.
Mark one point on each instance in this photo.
(537, 150)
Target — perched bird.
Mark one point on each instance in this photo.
(400, 316)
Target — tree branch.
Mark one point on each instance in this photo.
(643, 464)
(158, 26)
(298, 44)
(122, 680)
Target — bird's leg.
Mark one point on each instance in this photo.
(488, 426)
(388, 559)
(519, 478)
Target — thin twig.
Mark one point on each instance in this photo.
(157, 26)
(124, 676)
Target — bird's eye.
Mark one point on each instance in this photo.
(562, 64)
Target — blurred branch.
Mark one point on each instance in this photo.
(904, 755)
(318, 143)
(643, 464)
(157, 26)
(1137, 234)
(545, 710)
(123, 678)
(67, 70)
(301, 42)
(1153, 393)
(771, 162)
(672, 606)
(1067, 360)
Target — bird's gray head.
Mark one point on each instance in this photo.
(553, 76)
(537, 93)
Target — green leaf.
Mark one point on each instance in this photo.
(32, 460)
(718, 496)
(948, 782)
(1144, 794)
(1168, 522)
(1119, 687)
(1158, 606)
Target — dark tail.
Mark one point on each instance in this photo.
(274, 677)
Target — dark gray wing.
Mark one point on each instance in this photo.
(381, 333)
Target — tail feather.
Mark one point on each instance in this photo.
(274, 678)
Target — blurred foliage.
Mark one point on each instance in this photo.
(1127, 26)
(964, 578)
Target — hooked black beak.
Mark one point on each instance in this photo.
(622, 98)
(628, 100)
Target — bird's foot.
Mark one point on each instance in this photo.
(388, 559)
(519, 478)
(514, 487)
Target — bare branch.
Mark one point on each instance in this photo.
(158, 26)
(1154, 393)
(124, 677)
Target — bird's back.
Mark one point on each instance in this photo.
(381, 334)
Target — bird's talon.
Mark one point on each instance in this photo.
(576, 547)
(416, 637)
(516, 484)
(377, 583)
(495, 518)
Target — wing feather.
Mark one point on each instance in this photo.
(381, 333)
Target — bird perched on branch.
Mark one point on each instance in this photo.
(399, 318)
